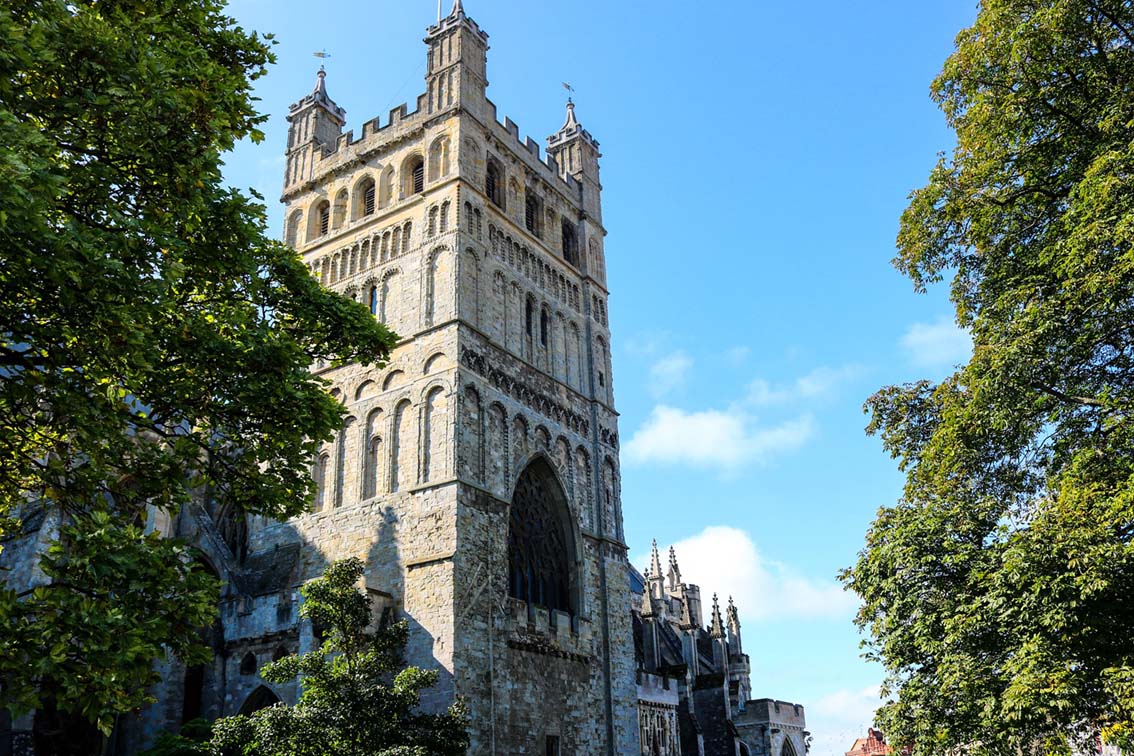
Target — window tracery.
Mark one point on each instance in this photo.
(539, 543)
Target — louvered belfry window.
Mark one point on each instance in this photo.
(368, 200)
(418, 178)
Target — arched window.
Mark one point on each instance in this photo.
(233, 528)
(413, 176)
(439, 158)
(541, 543)
(543, 328)
(373, 300)
(321, 469)
(248, 664)
(529, 315)
(370, 473)
(533, 213)
(570, 243)
(291, 238)
(365, 198)
(320, 221)
(386, 187)
(341, 200)
(261, 698)
(494, 183)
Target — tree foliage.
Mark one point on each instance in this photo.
(357, 698)
(999, 592)
(154, 343)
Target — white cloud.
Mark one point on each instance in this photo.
(820, 382)
(839, 717)
(738, 354)
(725, 560)
(647, 343)
(937, 344)
(668, 373)
(713, 438)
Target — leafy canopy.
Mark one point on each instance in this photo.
(357, 699)
(154, 342)
(998, 591)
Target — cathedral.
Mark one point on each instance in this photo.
(477, 473)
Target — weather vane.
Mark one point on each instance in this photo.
(570, 89)
(322, 55)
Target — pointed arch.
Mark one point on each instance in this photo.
(261, 698)
(542, 558)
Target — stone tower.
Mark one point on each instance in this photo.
(477, 474)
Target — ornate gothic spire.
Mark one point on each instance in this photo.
(655, 563)
(733, 617)
(674, 570)
(716, 627)
(458, 8)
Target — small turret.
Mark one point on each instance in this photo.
(314, 124)
(456, 74)
(577, 154)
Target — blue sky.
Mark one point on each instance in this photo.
(756, 159)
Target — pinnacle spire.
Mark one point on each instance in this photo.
(716, 627)
(458, 8)
(674, 571)
(732, 615)
(570, 124)
(655, 562)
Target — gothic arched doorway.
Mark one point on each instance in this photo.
(541, 541)
(261, 698)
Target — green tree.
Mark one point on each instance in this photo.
(999, 591)
(154, 342)
(357, 698)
